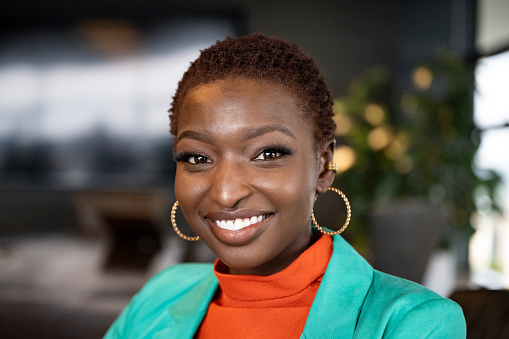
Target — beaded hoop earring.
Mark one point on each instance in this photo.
(348, 210)
(174, 224)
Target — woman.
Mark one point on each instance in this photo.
(254, 141)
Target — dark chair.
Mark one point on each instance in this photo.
(486, 312)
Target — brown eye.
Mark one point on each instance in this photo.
(198, 159)
(273, 153)
(268, 155)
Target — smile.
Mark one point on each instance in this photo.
(238, 224)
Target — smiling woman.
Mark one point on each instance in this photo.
(237, 160)
(254, 143)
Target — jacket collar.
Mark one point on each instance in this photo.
(341, 294)
(185, 316)
(335, 310)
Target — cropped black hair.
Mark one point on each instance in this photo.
(266, 58)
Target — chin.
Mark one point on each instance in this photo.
(243, 262)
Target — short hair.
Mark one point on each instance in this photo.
(266, 58)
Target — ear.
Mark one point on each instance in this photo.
(326, 177)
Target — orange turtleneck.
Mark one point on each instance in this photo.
(275, 306)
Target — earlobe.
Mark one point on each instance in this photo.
(327, 174)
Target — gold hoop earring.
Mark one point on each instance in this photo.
(174, 224)
(348, 211)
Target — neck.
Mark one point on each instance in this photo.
(282, 260)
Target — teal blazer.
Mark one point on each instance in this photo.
(353, 301)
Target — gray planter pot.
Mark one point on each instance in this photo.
(403, 235)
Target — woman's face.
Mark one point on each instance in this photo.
(247, 173)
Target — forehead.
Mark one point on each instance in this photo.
(235, 101)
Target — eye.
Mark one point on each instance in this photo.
(198, 159)
(192, 158)
(272, 153)
(268, 155)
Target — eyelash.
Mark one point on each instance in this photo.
(279, 150)
(186, 156)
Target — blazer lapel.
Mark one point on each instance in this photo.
(338, 302)
(186, 315)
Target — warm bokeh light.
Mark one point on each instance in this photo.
(404, 164)
(379, 138)
(344, 157)
(422, 78)
(397, 147)
(338, 108)
(344, 124)
(374, 114)
(395, 150)
(113, 37)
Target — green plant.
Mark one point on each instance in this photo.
(424, 148)
(371, 148)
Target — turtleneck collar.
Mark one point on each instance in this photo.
(307, 269)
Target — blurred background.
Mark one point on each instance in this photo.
(86, 172)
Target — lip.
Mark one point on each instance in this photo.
(237, 237)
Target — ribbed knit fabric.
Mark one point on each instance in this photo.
(275, 306)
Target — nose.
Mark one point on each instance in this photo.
(229, 186)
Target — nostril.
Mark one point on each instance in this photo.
(231, 196)
(229, 187)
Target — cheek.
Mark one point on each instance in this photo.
(300, 190)
(300, 204)
(181, 186)
(292, 193)
(188, 191)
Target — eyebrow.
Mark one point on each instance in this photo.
(194, 136)
(259, 131)
(251, 133)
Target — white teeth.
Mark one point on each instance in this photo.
(229, 225)
(237, 224)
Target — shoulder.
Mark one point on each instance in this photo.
(403, 308)
(179, 277)
(149, 308)
(170, 284)
(400, 290)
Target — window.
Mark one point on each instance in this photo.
(489, 248)
(84, 104)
